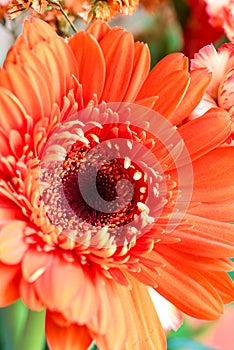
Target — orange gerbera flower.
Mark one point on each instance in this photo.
(90, 276)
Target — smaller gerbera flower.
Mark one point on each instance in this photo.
(220, 91)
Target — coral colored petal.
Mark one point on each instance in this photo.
(29, 61)
(141, 66)
(36, 30)
(66, 57)
(34, 264)
(204, 234)
(20, 85)
(67, 286)
(225, 288)
(51, 63)
(148, 102)
(144, 328)
(213, 176)
(118, 49)
(91, 64)
(98, 29)
(12, 107)
(9, 284)
(83, 305)
(108, 327)
(197, 87)
(29, 296)
(168, 65)
(221, 211)
(67, 337)
(12, 245)
(194, 294)
(170, 92)
(196, 138)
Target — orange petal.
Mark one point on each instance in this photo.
(34, 264)
(29, 62)
(204, 234)
(9, 284)
(197, 140)
(221, 211)
(13, 109)
(12, 245)
(223, 284)
(141, 66)
(144, 328)
(203, 264)
(62, 50)
(169, 64)
(98, 29)
(67, 337)
(214, 176)
(200, 79)
(29, 296)
(118, 50)
(91, 64)
(108, 327)
(68, 289)
(188, 290)
(36, 30)
(20, 85)
(84, 304)
(51, 62)
(170, 91)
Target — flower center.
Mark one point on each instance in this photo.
(116, 179)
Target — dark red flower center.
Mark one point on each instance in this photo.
(109, 184)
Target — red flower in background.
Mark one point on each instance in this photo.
(198, 31)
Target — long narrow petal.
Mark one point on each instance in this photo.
(110, 313)
(198, 141)
(118, 49)
(12, 245)
(214, 176)
(200, 79)
(141, 66)
(169, 64)
(188, 290)
(91, 64)
(145, 330)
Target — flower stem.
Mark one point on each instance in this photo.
(12, 320)
(60, 8)
(33, 334)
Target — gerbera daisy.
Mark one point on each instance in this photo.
(220, 91)
(93, 284)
